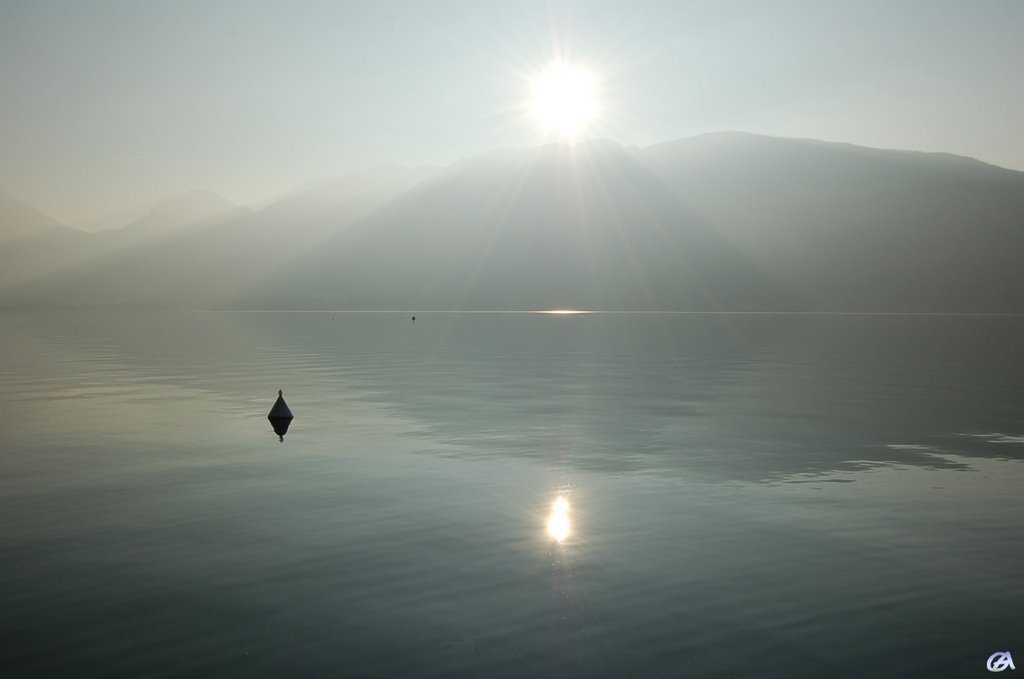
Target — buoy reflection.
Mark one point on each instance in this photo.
(558, 520)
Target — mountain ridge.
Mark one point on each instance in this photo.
(181, 210)
(723, 221)
(19, 220)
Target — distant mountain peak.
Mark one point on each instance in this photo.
(180, 210)
(19, 220)
(195, 202)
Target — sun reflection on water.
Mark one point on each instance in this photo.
(558, 520)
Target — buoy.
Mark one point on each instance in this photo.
(280, 416)
(280, 411)
(413, 319)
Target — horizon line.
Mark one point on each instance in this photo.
(596, 312)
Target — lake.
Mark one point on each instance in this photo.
(510, 494)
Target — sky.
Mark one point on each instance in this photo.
(109, 106)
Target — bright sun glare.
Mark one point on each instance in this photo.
(558, 521)
(563, 99)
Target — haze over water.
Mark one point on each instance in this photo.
(681, 339)
(742, 495)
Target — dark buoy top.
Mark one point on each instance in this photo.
(280, 411)
(413, 319)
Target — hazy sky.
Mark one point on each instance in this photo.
(107, 106)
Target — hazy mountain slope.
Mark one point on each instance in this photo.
(32, 243)
(187, 210)
(587, 227)
(319, 198)
(724, 221)
(20, 221)
(857, 228)
(209, 262)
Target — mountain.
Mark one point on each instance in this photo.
(853, 228)
(33, 244)
(36, 248)
(321, 197)
(20, 221)
(727, 221)
(722, 221)
(187, 210)
(589, 226)
(212, 262)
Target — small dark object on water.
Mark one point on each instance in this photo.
(280, 411)
(413, 319)
(280, 416)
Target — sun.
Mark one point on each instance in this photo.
(563, 99)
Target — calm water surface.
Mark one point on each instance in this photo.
(741, 495)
